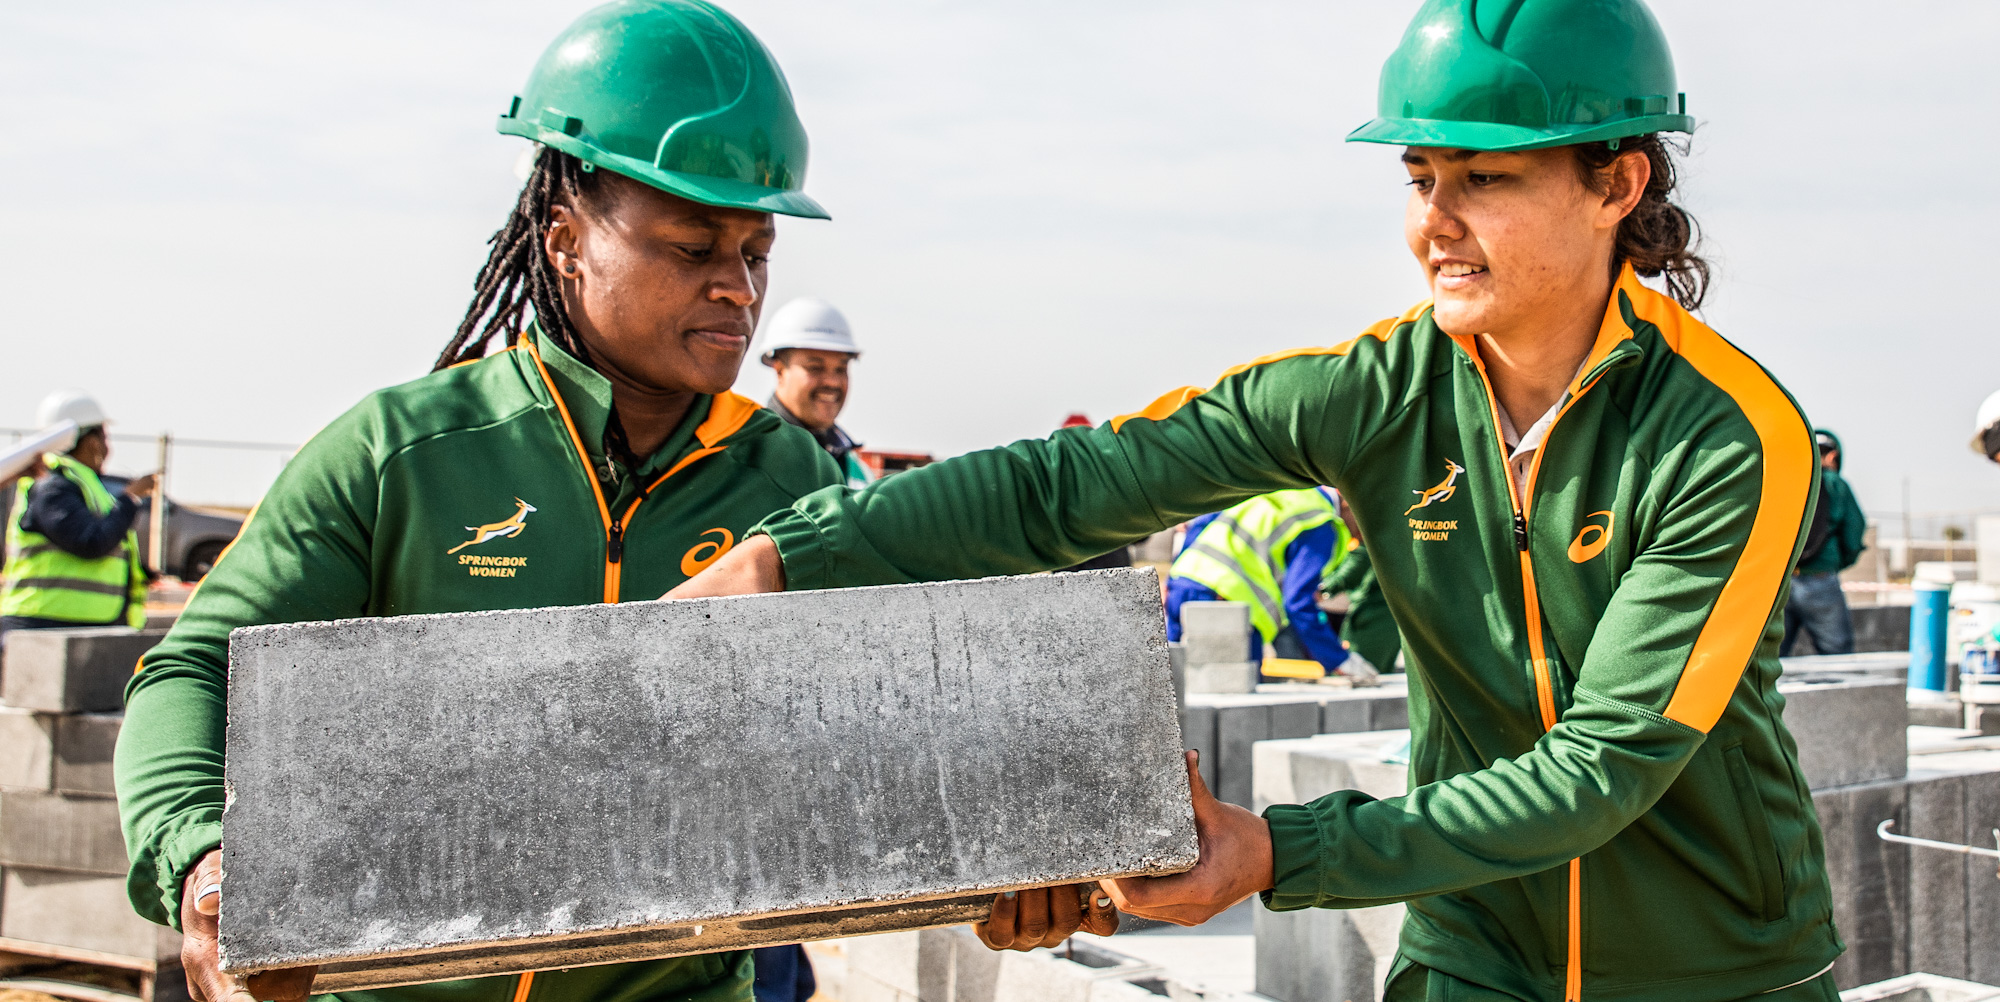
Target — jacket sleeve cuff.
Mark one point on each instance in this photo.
(802, 547)
(1298, 851)
(175, 858)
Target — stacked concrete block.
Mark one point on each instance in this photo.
(952, 965)
(1225, 726)
(72, 671)
(1327, 955)
(1922, 987)
(544, 788)
(62, 854)
(1217, 638)
(1850, 728)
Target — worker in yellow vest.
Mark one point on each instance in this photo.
(1270, 552)
(72, 557)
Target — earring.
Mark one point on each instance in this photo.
(567, 268)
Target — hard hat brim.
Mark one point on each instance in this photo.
(847, 349)
(1492, 137)
(726, 193)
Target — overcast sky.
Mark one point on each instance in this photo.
(232, 220)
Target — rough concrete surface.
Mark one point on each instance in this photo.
(27, 749)
(549, 787)
(72, 671)
(1849, 729)
(83, 746)
(1327, 954)
(951, 965)
(81, 913)
(51, 831)
(1217, 638)
(1224, 726)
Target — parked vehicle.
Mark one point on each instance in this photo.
(195, 536)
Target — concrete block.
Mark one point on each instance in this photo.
(1938, 880)
(51, 831)
(1936, 713)
(27, 749)
(84, 743)
(1217, 638)
(1237, 730)
(1295, 720)
(558, 787)
(1922, 988)
(1198, 734)
(1849, 729)
(1305, 769)
(1870, 880)
(79, 912)
(1885, 664)
(1377, 708)
(1325, 954)
(72, 671)
(1177, 659)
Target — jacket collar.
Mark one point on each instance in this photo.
(583, 396)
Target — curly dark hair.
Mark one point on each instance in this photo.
(1659, 237)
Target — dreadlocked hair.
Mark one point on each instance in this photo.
(1658, 237)
(517, 277)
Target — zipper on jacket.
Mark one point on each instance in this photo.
(1520, 498)
(614, 541)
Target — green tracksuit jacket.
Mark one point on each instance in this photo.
(1594, 664)
(465, 490)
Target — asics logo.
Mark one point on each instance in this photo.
(1585, 545)
(706, 552)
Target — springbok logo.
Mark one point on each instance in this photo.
(1584, 546)
(1442, 492)
(495, 530)
(706, 552)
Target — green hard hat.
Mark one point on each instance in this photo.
(675, 93)
(1527, 74)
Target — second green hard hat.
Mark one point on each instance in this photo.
(1527, 74)
(675, 93)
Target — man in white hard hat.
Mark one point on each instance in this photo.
(1986, 428)
(809, 344)
(72, 557)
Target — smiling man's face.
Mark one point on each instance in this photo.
(1504, 236)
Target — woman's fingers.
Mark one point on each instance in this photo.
(1100, 915)
(1065, 913)
(1033, 920)
(997, 932)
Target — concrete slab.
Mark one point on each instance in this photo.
(1305, 769)
(1849, 729)
(72, 671)
(80, 913)
(1922, 987)
(84, 743)
(1216, 636)
(1870, 879)
(1327, 954)
(1198, 734)
(27, 749)
(1886, 664)
(557, 787)
(51, 831)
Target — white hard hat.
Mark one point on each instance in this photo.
(808, 323)
(1989, 415)
(70, 405)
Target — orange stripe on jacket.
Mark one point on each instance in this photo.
(1735, 626)
(1165, 406)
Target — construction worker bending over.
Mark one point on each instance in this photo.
(1270, 553)
(72, 557)
(810, 346)
(597, 456)
(1582, 504)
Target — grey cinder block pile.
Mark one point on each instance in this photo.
(1223, 727)
(62, 855)
(551, 787)
(72, 671)
(1217, 638)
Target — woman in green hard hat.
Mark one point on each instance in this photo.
(593, 454)
(1582, 506)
